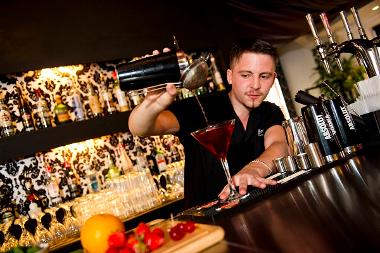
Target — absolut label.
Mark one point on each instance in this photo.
(323, 127)
(330, 124)
(347, 117)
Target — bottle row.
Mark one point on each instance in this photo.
(126, 196)
(66, 179)
(48, 101)
(38, 115)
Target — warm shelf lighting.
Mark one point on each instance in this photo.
(375, 8)
(47, 73)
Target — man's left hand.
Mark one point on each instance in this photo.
(251, 174)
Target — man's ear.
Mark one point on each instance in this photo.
(229, 76)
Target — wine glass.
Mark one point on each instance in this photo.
(216, 139)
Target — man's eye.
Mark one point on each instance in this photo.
(245, 75)
(266, 76)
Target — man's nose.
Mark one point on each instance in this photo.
(255, 83)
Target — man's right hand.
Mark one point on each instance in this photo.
(151, 116)
(159, 100)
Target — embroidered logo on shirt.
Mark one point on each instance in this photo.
(260, 132)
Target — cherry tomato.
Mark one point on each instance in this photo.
(126, 250)
(153, 241)
(142, 229)
(181, 227)
(117, 239)
(158, 231)
(189, 226)
(131, 241)
(112, 250)
(176, 234)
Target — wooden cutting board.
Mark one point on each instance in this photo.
(203, 237)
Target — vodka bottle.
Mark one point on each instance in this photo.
(25, 113)
(79, 111)
(6, 124)
(106, 95)
(42, 114)
(120, 96)
(95, 105)
(126, 163)
(218, 81)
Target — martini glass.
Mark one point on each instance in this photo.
(216, 139)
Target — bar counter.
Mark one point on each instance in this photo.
(337, 209)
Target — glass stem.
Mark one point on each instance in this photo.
(233, 192)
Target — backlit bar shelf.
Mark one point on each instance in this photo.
(29, 143)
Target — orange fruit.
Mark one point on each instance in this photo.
(96, 230)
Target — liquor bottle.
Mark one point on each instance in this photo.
(53, 187)
(79, 111)
(95, 105)
(92, 180)
(25, 112)
(7, 214)
(72, 180)
(106, 95)
(113, 170)
(218, 81)
(126, 163)
(121, 98)
(141, 160)
(32, 204)
(42, 114)
(6, 124)
(135, 97)
(175, 157)
(160, 160)
(61, 111)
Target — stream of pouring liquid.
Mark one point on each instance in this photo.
(202, 109)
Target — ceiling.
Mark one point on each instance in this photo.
(280, 21)
(47, 33)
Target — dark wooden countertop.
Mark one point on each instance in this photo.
(336, 210)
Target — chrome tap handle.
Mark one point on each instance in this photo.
(359, 24)
(320, 48)
(330, 36)
(343, 16)
(310, 21)
(345, 24)
(326, 24)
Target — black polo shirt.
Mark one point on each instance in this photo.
(204, 175)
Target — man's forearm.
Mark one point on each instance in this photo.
(142, 120)
(275, 150)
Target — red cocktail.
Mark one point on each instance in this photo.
(216, 139)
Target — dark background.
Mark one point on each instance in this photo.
(41, 33)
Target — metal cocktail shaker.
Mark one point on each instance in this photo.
(296, 135)
(155, 71)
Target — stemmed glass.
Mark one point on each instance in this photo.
(216, 139)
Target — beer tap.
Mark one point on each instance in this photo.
(320, 48)
(345, 24)
(358, 47)
(333, 44)
(361, 48)
(361, 30)
(350, 37)
(371, 47)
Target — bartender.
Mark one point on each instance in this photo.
(258, 136)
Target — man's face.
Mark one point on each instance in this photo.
(251, 78)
